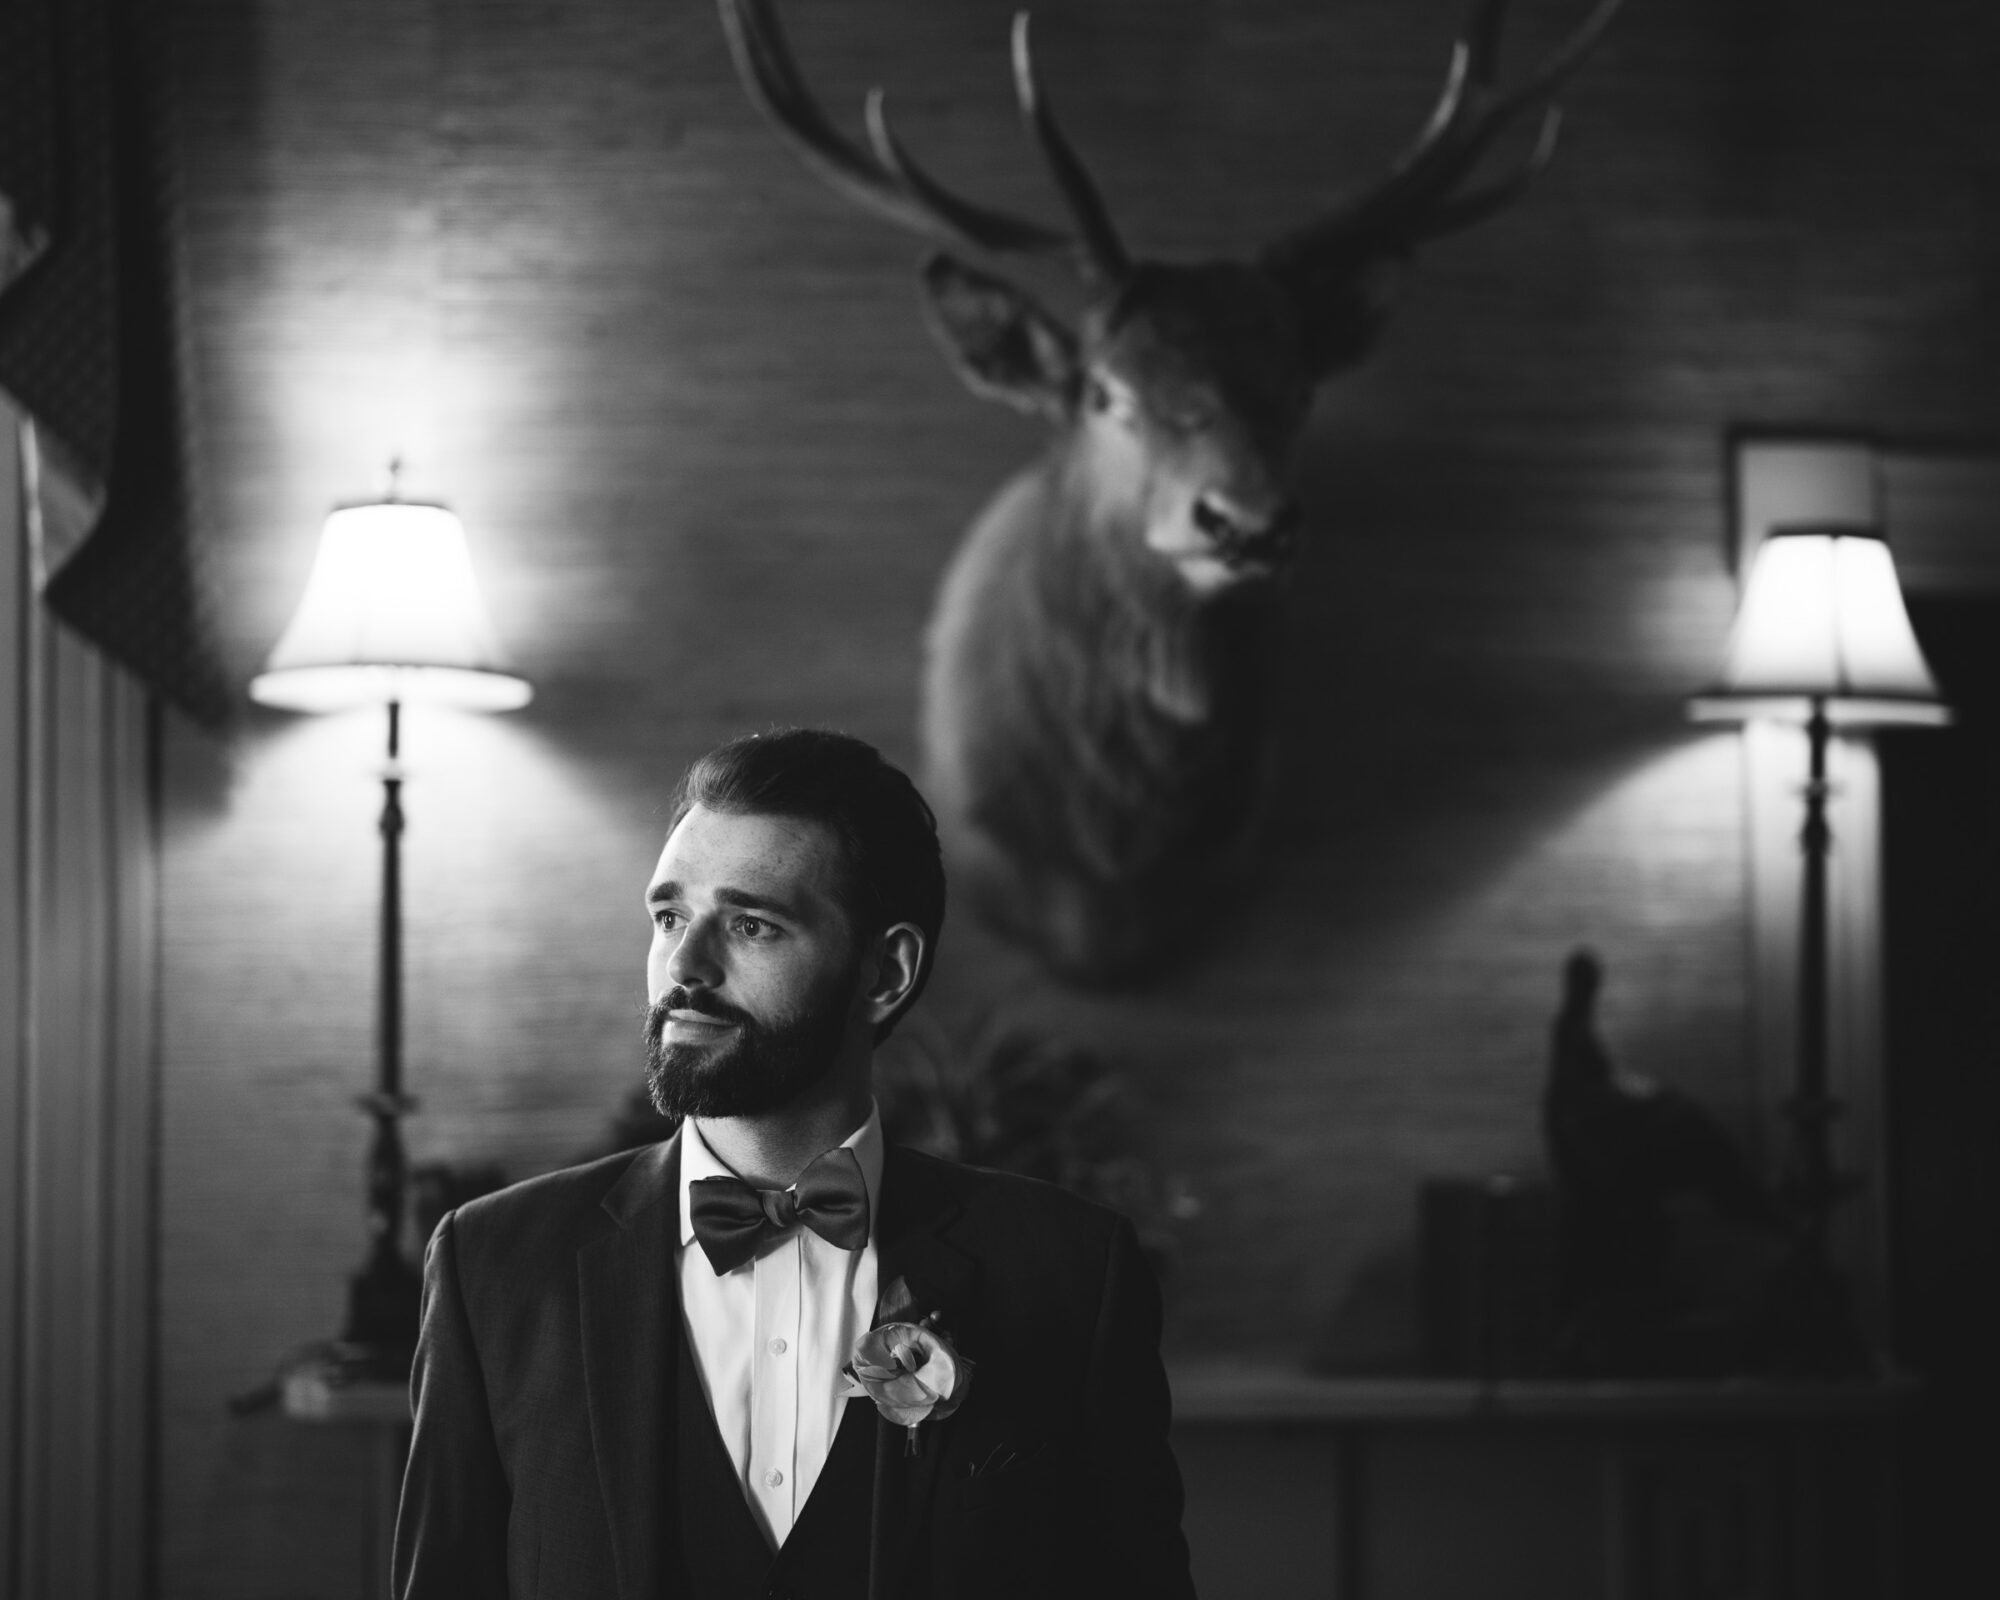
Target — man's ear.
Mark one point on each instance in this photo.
(1002, 344)
(898, 970)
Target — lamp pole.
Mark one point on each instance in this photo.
(1816, 1334)
(383, 1297)
(1812, 1108)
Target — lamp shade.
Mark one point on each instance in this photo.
(391, 612)
(1823, 621)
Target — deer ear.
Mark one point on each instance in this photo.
(1002, 344)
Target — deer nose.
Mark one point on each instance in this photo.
(1244, 534)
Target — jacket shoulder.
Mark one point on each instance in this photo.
(554, 1211)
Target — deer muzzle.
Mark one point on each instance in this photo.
(1243, 539)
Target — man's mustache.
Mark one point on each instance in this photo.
(681, 999)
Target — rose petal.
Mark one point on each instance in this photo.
(951, 1399)
(910, 1372)
(940, 1371)
(880, 1345)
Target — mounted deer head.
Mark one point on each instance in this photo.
(1178, 399)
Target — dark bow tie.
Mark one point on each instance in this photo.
(731, 1219)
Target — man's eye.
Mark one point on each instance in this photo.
(666, 919)
(754, 928)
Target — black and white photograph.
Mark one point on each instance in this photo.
(972, 800)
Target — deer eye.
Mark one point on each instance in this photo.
(1110, 397)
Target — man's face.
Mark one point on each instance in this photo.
(752, 980)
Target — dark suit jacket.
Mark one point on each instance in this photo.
(541, 1463)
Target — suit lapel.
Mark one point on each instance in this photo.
(630, 1304)
(918, 1205)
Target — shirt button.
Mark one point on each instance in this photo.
(773, 1478)
(777, 1347)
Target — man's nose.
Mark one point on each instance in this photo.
(692, 963)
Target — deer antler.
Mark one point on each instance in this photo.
(1420, 198)
(887, 182)
(1103, 259)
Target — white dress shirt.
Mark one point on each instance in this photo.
(769, 1339)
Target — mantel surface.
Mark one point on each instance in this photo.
(1224, 1391)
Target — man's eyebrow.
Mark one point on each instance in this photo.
(743, 899)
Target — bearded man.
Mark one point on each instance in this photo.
(772, 1357)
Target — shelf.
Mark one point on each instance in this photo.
(1222, 1392)
(309, 1396)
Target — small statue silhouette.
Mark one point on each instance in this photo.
(1628, 1156)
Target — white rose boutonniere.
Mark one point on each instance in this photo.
(911, 1372)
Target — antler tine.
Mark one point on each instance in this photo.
(1464, 210)
(1415, 200)
(1547, 79)
(1440, 125)
(1103, 257)
(765, 69)
(890, 185)
(1475, 57)
(992, 231)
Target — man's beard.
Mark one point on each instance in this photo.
(756, 1069)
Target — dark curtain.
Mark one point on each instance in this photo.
(89, 339)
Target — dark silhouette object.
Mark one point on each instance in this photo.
(1485, 1277)
(1663, 1228)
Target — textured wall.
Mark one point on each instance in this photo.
(713, 469)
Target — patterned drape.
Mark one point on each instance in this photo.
(89, 341)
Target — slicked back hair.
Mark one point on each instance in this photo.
(891, 869)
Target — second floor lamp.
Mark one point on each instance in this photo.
(1822, 639)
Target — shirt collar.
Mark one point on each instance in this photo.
(698, 1161)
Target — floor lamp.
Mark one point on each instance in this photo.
(1822, 639)
(391, 616)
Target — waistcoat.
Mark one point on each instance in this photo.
(727, 1556)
